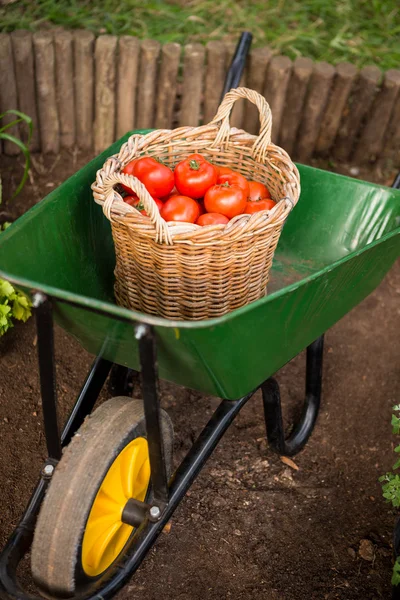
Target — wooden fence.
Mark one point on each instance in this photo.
(86, 91)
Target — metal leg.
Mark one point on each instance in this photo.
(47, 370)
(273, 409)
(122, 380)
(148, 532)
(151, 403)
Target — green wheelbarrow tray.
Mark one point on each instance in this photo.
(335, 248)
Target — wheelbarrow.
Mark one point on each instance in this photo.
(107, 488)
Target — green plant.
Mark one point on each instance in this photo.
(14, 304)
(391, 486)
(22, 118)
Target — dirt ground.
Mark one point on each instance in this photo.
(251, 526)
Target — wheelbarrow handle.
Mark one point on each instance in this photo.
(238, 62)
(396, 182)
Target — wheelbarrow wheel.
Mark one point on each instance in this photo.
(79, 535)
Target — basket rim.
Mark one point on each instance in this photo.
(137, 145)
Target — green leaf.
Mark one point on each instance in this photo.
(5, 318)
(396, 465)
(21, 307)
(25, 151)
(395, 424)
(396, 572)
(22, 117)
(6, 289)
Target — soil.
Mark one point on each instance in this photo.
(251, 527)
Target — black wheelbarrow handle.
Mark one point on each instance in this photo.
(238, 63)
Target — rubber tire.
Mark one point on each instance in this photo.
(57, 544)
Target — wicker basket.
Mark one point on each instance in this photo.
(184, 271)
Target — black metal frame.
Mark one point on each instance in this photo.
(167, 496)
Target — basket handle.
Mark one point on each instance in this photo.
(151, 208)
(224, 111)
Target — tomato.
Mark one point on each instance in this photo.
(234, 178)
(158, 178)
(134, 201)
(128, 170)
(194, 175)
(257, 191)
(265, 204)
(212, 219)
(226, 199)
(180, 208)
(223, 170)
(173, 192)
(131, 200)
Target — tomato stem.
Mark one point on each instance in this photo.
(194, 165)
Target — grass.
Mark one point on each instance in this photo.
(359, 31)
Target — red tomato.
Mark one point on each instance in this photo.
(223, 171)
(234, 178)
(131, 200)
(134, 201)
(128, 170)
(257, 191)
(228, 200)
(180, 208)
(212, 219)
(194, 175)
(265, 204)
(158, 178)
(173, 192)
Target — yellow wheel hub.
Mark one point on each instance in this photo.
(105, 534)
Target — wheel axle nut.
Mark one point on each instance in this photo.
(155, 512)
(48, 470)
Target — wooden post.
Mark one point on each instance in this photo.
(215, 76)
(46, 91)
(25, 77)
(128, 67)
(357, 107)
(193, 68)
(391, 144)
(167, 84)
(105, 77)
(295, 96)
(8, 90)
(342, 84)
(65, 87)
(146, 98)
(371, 140)
(314, 106)
(275, 87)
(84, 94)
(258, 63)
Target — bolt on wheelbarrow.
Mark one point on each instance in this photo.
(108, 486)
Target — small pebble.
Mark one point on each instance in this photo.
(366, 550)
(351, 552)
(354, 171)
